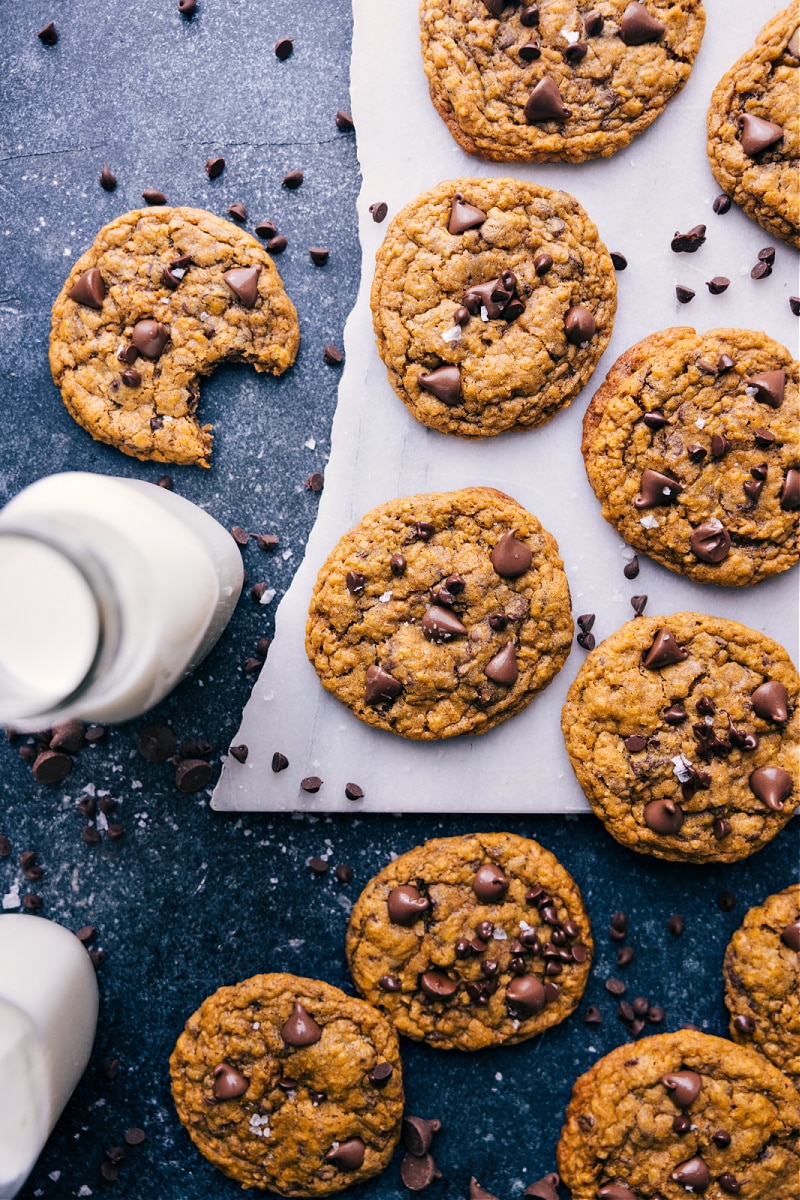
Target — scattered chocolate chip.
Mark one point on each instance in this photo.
(575, 51)
(638, 604)
(108, 1172)
(761, 270)
(418, 1171)
(319, 255)
(635, 743)
(719, 446)
(150, 338)
(156, 743)
(277, 245)
(134, 1137)
(586, 641)
(153, 196)
(343, 873)
(32, 902)
(729, 1182)
(758, 134)
(676, 924)
(542, 262)
(311, 783)
(354, 582)
(300, 1029)
(5, 846)
(417, 1134)
(721, 203)
(794, 305)
(769, 387)
(332, 355)
(353, 792)
(615, 986)
(437, 985)
(48, 36)
(292, 180)
(444, 383)
(615, 1191)
(240, 752)
(108, 180)
(378, 211)
(380, 1075)
(638, 26)
(684, 294)
(315, 482)
(215, 167)
(545, 1188)
(380, 685)
(689, 243)
(624, 956)
(344, 121)
(228, 1082)
(51, 766)
(283, 48)
(389, 983)
(710, 542)
(592, 1016)
(187, 8)
(68, 736)
(586, 622)
(721, 829)
(726, 901)
(238, 211)
(90, 835)
(529, 16)
(718, 285)
(619, 260)
(192, 774)
(266, 229)
(317, 866)
(526, 995)
(503, 668)
(681, 1124)
(655, 1014)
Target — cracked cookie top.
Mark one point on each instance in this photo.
(289, 1084)
(691, 447)
(492, 303)
(440, 614)
(556, 80)
(683, 732)
(681, 1113)
(762, 981)
(162, 297)
(471, 941)
(754, 128)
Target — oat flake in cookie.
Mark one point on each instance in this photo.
(691, 445)
(555, 81)
(683, 732)
(440, 614)
(492, 303)
(754, 128)
(471, 941)
(162, 297)
(288, 1084)
(679, 1114)
(762, 981)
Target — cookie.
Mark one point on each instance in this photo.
(677, 1114)
(471, 941)
(691, 447)
(762, 981)
(683, 732)
(555, 81)
(492, 303)
(440, 614)
(162, 297)
(754, 128)
(288, 1084)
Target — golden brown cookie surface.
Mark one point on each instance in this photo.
(453, 941)
(762, 981)
(683, 732)
(492, 303)
(162, 297)
(440, 614)
(739, 1121)
(691, 445)
(288, 1084)
(555, 81)
(754, 128)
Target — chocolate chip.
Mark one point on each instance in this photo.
(317, 866)
(437, 985)
(90, 835)
(615, 986)
(311, 783)
(772, 785)
(721, 203)
(300, 1029)
(545, 103)
(729, 1182)
(585, 621)
(187, 7)
(266, 229)
(243, 282)
(389, 983)
(526, 995)
(511, 557)
(319, 255)
(380, 685)
(543, 262)
(343, 873)
(150, 338)
(710, 542)
(529, 16)
(444, 383)
(51, 766)
(380, 1075)
(655, 1014)
(615, 1191)
(134, 1137)
(5, 846)
(153, 196)
(769, 387)
(397, 564)
(664, 651)
(214, 167)
(635, 743)
(575, 51)
(684, 294)
(761, 270)
(530, 51)
(770, 701)
(405, 905)
(418, 1171)
(440, 625)
(619, 260)
(721, 829)
(292, 180)
(676, 924)
(32, 902)
(490, 883)
(283, 48)
(719, 446)
(692, 1174)
(592, 1016)
(683, 1086)
(89, 289)
(624, 956)
(68, 736)
(353, 792)
(579, 325)
(354, 582)
(718, 285)
(192, 774)
(758, 134)
(586, 640)
(545, 1188)
(108, 180)
(378, 211)
(332, 355)
(638, 26)
(344, 121)
(48, 36)
(663, 816)
(228, 1082)
(503, 668)
(463, 215)
(689, 243)
(417, 1134)
(156, 743)
(681, 1124)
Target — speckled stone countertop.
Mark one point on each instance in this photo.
(186, 900)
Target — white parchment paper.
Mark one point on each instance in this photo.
(638, 198)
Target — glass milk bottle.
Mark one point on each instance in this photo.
(111, 591)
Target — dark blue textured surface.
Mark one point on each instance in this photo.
(189, 900)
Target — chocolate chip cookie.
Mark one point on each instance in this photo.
(683, 732)
(677, 1114)
(691, 446)
(556, 80)
(288, 1084)
(162, 297)
(762, 981)
(754, 128)
(492, 303)
(440, 614)
(471, 941)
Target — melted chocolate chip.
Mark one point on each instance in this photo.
(710, 542)
(406, 905)
(663, 816)
(656, 489)
(463, 215)
(772, 785)
(511, 557)
(228, 1082)
(150, 337)
(579, 325)
(758, 134)
(490, 883)
(380, 686)
(771, 701)
(243, 282)
(545, 103)
(348, 1156)
(444, 383)
(638, 26)
(684, 1086)
(693, 1173)
(503, 667)
(300, 1029)
(769, 387)
(526, 995)
(440, 625)
(437, 985)
(664, 651)
(89, 289)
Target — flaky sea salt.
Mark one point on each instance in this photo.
(648, 522)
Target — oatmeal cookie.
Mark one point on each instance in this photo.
(162, 297)
(677, 1114)
(471, 941)
(557, 80)
(492, 303)
(683, 732)
(754, 128)
(290, 1085)
(691, 445)
(762, 981)
(440, 614)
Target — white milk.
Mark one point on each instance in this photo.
(111, 591)
(48, 1015)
